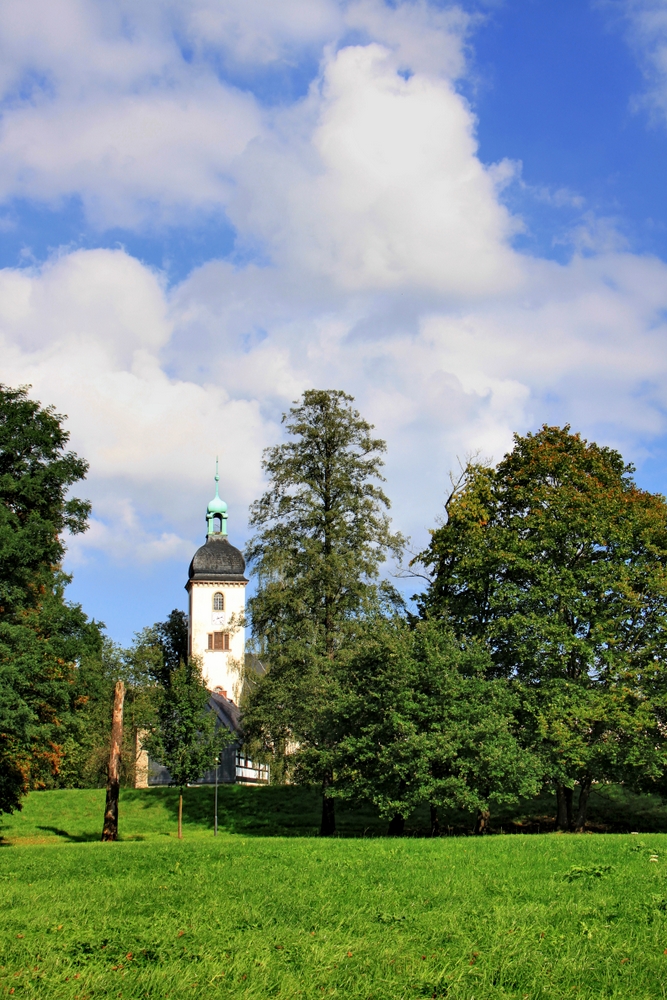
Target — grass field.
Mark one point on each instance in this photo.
(271, 915)
(76, 815)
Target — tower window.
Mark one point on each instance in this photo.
(218, 602)
(218, 641)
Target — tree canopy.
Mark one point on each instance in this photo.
(43, 638)
(36, 473)
(421, 721)
(169, 640)
(557, 560)
(183, 736)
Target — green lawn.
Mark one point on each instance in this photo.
(265, 915)
(76, 815)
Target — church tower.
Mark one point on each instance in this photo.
(216, 587)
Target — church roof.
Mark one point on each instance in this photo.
(227, 712)
(217, 560)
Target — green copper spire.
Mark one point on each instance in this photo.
(216, 509)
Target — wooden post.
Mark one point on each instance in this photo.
(180, 815)
(215, 816)
(110, 830)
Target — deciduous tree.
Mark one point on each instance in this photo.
(557, 560)
(167, 639)
(184, 738)
(421, 721)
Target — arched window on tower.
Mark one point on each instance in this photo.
(218, 602)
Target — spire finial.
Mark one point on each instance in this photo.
(217, 510)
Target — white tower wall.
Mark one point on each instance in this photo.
(219, 667)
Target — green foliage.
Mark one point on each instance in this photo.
(323, 531)
(586, 871)
(558, 562)
(323, 534)
(184, 738)
(44, 650)
(13, 776)
(359, 919)
(35, 476)
(557, 559)
(44, 640)
(86, 732)
(420, 721)
(169, 640)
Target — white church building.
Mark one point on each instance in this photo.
(216, 637)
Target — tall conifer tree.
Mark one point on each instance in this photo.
(42, 636)
(322, 535)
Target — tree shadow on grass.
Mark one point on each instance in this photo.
(72, 838)
(294, 811)
(265, 811)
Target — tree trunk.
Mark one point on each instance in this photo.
(565, 817)
(584, 792)
(110, 828)
(396, 826)
(482, 824)
(435, 822)
(561, 807)
(180, 815)
(328, 824)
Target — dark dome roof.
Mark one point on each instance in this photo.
(217, 560)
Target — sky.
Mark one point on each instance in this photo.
(457, 213)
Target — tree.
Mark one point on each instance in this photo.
(420, 721)
(323, 534)
(85, 732)
(184, 738)
(110, 825)
(43, 652)
(170, 640)
(13, 777)
(557, 560)
(36, 473)
(42, 637)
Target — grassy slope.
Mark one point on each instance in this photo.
(295, 916)
(76, 815)
(301, 917)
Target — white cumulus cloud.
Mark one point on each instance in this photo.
(647, 33)
(380, 258)
(377, 184)
(86, 332)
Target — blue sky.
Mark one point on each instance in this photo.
(559, 91)
(457, 213)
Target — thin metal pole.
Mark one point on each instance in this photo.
(215, 824)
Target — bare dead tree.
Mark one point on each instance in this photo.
(110, 829)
